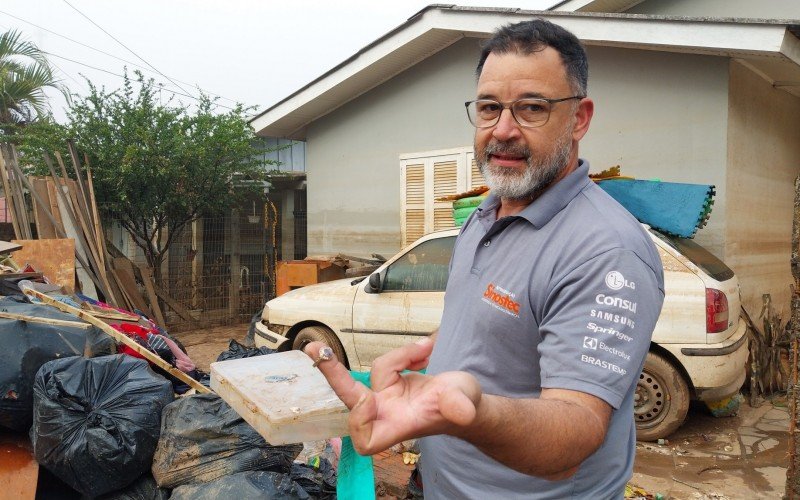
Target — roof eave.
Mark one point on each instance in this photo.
(433, 29)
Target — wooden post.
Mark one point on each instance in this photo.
(197, 263)
(236, 260)
(792, 479)
(121, 338)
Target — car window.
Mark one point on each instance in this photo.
(423, 268)
(699, 256)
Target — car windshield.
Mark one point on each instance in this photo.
(423, 268)
(699, 256)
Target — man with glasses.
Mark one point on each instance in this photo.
(553, 295)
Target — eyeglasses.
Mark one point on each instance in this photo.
(528, 112)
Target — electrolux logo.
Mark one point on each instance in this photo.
(589, 343)
(616, 281)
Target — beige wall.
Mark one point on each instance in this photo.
(763, 161)
(657, 114)
(770, 9)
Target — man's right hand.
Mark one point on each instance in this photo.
(401, 406)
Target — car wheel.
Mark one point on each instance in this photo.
(320, 334)
(661, 400)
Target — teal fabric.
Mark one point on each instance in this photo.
(355, 478)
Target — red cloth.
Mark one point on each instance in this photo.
(133, 331)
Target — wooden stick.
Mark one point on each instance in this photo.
(46, 321)
(176, 306)
(98, 227)
(20, 194)
(9, 197)
(122, 338)
(147, 279)
(80, 244)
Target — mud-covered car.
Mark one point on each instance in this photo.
(699, 347)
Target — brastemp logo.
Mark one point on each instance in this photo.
(589, 343)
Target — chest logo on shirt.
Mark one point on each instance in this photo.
(501, 299)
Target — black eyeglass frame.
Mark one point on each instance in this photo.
(510, 106)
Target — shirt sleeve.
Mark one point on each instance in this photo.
(597, 323)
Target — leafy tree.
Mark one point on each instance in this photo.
(24, 75)
(155, 167)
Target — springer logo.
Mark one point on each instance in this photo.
(589, 343)
(616, 281)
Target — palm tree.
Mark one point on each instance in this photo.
(24, 74)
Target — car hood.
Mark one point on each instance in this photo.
(329, 303)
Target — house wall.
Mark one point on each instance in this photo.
(352, 162)
(763, 152)
(771, 9)
(661, 115)
(657, 115)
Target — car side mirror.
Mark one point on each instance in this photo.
(373, 283)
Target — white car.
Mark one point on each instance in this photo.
(699, 346)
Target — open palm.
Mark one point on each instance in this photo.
(401, 406)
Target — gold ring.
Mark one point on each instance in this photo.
(325, 354)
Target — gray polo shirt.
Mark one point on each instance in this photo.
(563, 295)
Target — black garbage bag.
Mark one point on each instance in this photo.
(26, 345)
(239, 351)
(202, 439)
(250, 338)
(318, 482)
(144, 488)
(96, 421)
(244, 485)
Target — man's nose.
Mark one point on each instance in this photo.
(507, 127)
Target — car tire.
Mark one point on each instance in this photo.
(320, 334)
(661, 400)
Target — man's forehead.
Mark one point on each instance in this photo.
(542, 68)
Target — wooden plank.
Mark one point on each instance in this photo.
(10, 202)
(45, 228)
(121, 338)
(46, 321)
(20, 189)
(147, 279)
(176, 306)
(55, 258)
(127, 296)
(123, 268)
(98, 227)
(52, 198)
(86, 278)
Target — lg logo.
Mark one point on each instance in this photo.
(616, 281)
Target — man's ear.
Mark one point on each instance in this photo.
(583, 117)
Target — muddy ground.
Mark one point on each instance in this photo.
(742, 457)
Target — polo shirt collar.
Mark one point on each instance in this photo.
(552, 201)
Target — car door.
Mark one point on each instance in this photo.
(410, 301)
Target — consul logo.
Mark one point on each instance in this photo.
(616, 281)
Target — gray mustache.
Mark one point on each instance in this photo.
(506, 149)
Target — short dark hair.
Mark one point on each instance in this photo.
(532, 36)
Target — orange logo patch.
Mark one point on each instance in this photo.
(501, 299)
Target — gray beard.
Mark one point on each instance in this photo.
(540, 172)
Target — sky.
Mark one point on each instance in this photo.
(248, 51)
